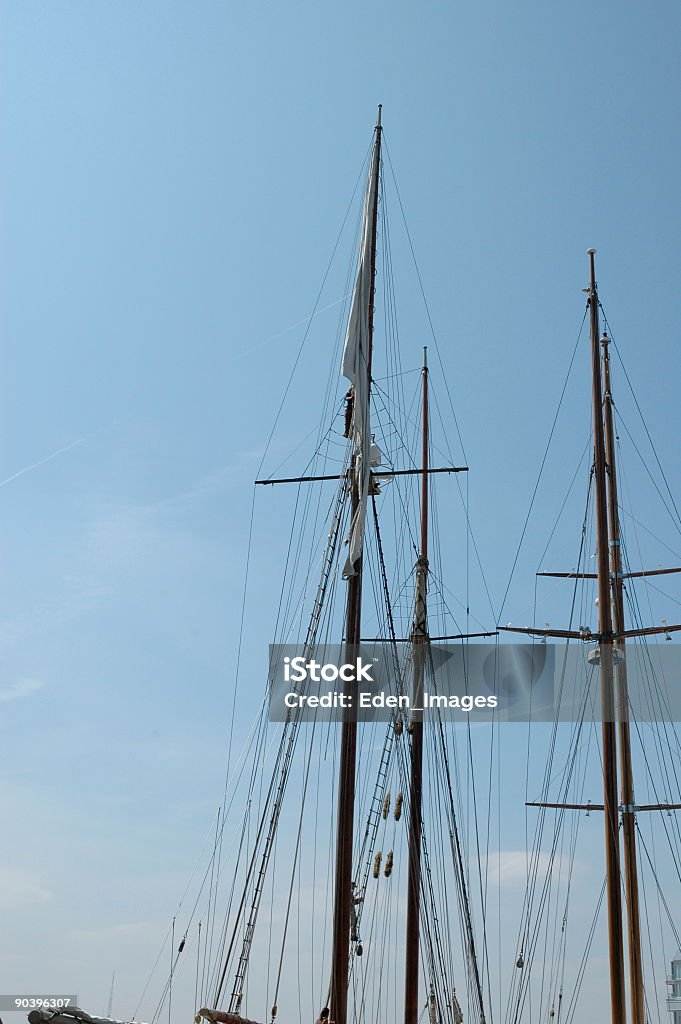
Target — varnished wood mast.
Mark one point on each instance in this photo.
(626, 770)
(420, 639)
(340, 951)
(611, 803)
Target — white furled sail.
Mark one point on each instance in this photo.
(356, 367)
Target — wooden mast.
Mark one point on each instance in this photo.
(340, 952)
(611, 803)
(626, 770)
(420, 641)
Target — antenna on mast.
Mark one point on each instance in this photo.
(110, 1005)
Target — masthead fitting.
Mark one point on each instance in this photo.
(378, 119)
(425, 357)
(591, 252)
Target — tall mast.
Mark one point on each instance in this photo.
(626, 770)
(420, 641)
(610, 801)
(340, 952)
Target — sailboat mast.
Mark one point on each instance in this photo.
(626, 770)
(342, 910)
(420, 639)
(611, 804)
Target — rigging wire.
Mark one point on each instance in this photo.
(542, 464)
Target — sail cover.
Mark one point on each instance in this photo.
(356, 368)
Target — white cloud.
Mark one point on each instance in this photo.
(21, 688)
(509, 868)
(20, 887)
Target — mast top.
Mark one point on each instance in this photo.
(378, 119)
(425, 357)
(591, 252)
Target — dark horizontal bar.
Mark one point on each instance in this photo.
(594, 576)
(565, 634)
(600, 807)
(571, 575)
(658, 807)
(379, 476)
(566, 807)
(648, 572)
(569, 634)
(650, 631)
(302, 479)
(409, 639)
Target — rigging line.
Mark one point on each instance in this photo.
(663, 593)
(581, 551)
(213, 892)
(332, 380)
(662, 705)
(640, 412)
(677, 937)
(652, 478)
(425, 302)
(572, 1006)
(198, 960)
(317, 451)
(460, 874)
(562, 951)
(170, 993)
(482, 886)
(565, 501)
(663, 941)
(651, 954)
(410, 420)
(296, 862)
(543, 463)
(277, 788)
(208, 870)
(242, 619)
(670, 789)
(314, 311)
(243, 841)
(662, 710)
(528, 903)
(291, 327)
(531, 939)
(470, 535)
(649, 532)
(177, 911)
(298, 608)
(396, 374)
(443, 587)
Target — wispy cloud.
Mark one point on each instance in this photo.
(22, 688)
(124, 930)
(509, 868)
(19, 888)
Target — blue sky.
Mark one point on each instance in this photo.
(173, 180)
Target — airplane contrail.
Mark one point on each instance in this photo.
(291, 327)
(41, 462)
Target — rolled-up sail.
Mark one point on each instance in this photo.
(69, 1015)
(223, 1017)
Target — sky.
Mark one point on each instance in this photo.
(173, 180)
